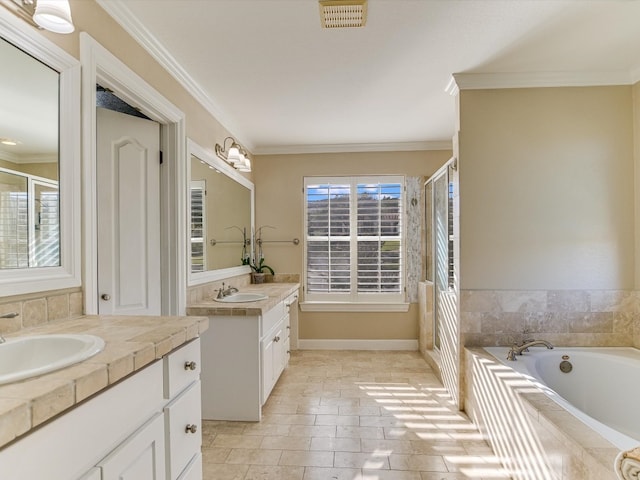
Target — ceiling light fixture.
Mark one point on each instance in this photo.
(343, 13)
(52, 15)
(235, 155)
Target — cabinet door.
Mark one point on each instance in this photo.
(93, 474)
(141, 457)
(267, 346)
(193, 470)
(278, 354)
(183, 435)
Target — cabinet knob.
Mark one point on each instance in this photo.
(191, 428)
(288, 327)
(276, 339)
(106, 297)
(288, 352)
(190, 365)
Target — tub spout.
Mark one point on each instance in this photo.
(518, 349)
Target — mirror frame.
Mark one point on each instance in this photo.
(198, 278)
(68, 274)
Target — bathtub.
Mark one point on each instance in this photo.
(602, 388)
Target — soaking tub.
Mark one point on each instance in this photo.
(598, 385)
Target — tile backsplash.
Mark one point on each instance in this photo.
(40, 308)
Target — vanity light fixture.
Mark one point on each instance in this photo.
(235, 155)
(52, 15)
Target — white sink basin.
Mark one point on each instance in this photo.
(242, 297)
(30, 356)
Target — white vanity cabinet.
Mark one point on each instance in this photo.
(128, 432)
(243, 357)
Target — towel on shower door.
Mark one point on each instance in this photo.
(627, 464)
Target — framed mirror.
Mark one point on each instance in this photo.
(39, 162)
(220, 208)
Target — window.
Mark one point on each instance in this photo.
(354, 243)
(198, 192)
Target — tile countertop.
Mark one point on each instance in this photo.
(131, 342)
(276, 292)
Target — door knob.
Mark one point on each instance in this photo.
(106, 297)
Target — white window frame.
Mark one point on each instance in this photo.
(369, 301)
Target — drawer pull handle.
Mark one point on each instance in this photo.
(191, 428)
(190, 365)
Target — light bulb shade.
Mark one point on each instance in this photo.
(244, 166)
(54, 15)
(234, 154)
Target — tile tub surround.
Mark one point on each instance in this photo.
(352, 415)
(276, 292)
(538, 438)
(131, 343)
(563, 317)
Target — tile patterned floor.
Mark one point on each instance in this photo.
(347, 415)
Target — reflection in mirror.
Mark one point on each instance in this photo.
(40, 135)
(29, 221)
(29, 200)
(221, 218)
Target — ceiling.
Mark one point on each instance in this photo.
(282, 84)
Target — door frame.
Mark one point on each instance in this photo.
(101, 66)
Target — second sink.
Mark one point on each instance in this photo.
(242, 297)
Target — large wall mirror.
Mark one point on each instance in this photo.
(220, 219)
(39, 159)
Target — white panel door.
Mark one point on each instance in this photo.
(128, 184)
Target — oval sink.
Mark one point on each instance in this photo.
(26, 357)
(242, 297)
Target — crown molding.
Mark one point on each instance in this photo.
(354, 148)
(481, 81)
(118, 10)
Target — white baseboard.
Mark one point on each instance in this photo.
(357, 344)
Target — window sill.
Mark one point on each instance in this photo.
(353, 307)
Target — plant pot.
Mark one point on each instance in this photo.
(257, 277)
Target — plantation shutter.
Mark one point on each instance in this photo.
(328, 238)
(197, 226)
(379, 239)
(354, 238)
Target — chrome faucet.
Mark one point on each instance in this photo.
(228, 291)
(518, 349)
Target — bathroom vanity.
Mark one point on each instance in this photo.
(245, 350)
(132, 412)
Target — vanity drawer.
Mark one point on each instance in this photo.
(271, 318)
(181, 368)
(183, 430)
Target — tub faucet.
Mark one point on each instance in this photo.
(518, 349)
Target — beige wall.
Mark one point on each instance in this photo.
(547, 192)
(89, 17)
(279, 202)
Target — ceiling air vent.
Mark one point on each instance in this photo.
(343, 13)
